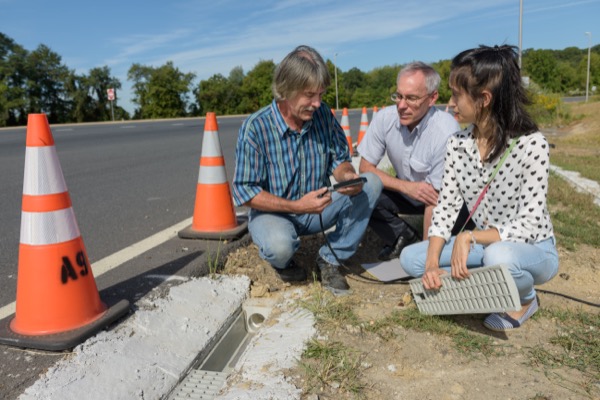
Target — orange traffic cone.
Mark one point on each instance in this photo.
(364, 124)
(214, 215)
(346, 127)
(374, 113)
(333, 111)
(58, 305)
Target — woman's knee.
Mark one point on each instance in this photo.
(412, 259)
(500, 253)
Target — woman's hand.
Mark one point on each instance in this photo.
(431, 277)
(460, 253)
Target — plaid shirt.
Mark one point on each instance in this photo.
(272, 157)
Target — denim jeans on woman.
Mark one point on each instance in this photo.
(529, 264)
(277, 235)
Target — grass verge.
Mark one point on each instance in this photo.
(332, 364)
(465, 342)
(575, 217)
(576, 345)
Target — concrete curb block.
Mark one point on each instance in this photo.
(581, 184)
(276, 347)
(146, 355)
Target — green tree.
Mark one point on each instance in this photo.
(383, 82)
(90, 98)
(362, 97)
(353, 79)
(570, 55)
(46, 85)
(99, 80)
(160, 92)
(594, 72)
(140, 75)
(256, 87)
(329, 96)
(13, 76)
(82, 104)
(211, 94)
(566, 77)
(443, 68)
(540, 66)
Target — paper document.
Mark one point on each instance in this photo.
(386, 270)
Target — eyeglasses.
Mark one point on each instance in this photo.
(410, 100)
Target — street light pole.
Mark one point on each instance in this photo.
(587, 82)
(337, 106)
(520, 31)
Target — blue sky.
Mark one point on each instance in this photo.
(213, 37)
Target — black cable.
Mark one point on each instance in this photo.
(402, 281)
(363, 278)
(568, 297)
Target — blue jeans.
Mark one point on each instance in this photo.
(277, 235)
(529, 264)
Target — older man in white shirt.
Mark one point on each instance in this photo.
(414, 135)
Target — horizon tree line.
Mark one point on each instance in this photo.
(38, 81)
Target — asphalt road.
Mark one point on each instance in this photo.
(126, 181)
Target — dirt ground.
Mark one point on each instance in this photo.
(423, 365)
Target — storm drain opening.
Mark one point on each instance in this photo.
(210, 370)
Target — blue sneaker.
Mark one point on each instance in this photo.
(503, 322)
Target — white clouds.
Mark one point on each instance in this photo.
(145, 44)
(275, 28)
(218, 37)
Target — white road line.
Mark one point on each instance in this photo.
(122, 256)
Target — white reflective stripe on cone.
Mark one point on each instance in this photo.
(212, 175)
(43, 174)
(211, 146)
(39, 228)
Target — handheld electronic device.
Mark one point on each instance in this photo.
(351, 182)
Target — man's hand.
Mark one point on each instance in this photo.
(350, 190)
(423, 192)
(314, 202)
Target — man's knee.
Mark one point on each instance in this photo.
(277, 250)
(281, 251)
(372, 187)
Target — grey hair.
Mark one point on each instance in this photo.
(432, 78)
(301, 69)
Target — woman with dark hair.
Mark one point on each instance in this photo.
(499, 167)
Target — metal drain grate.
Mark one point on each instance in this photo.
(199, 385)
(488, 290)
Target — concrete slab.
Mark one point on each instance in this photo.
(144, 356)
